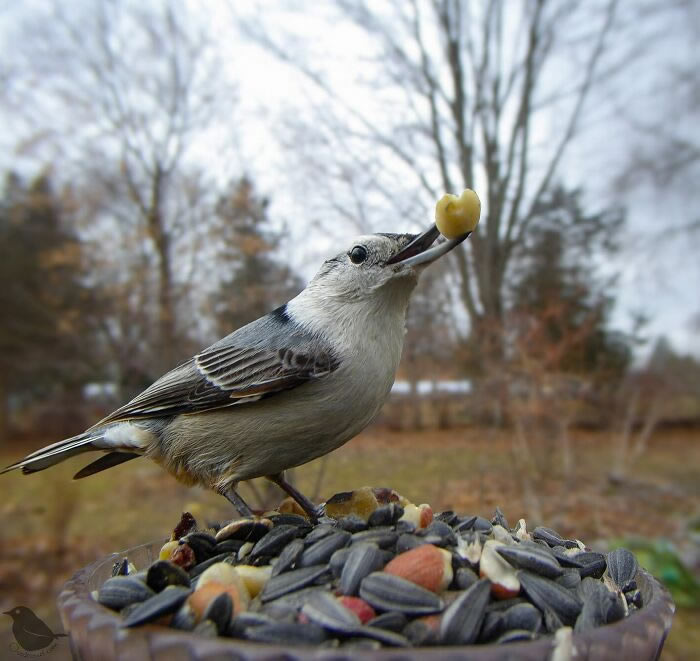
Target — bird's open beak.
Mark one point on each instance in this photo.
(419, 251)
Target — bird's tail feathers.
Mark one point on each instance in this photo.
(57, 452)
(104, 462)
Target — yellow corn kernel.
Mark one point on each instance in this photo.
(455, 216)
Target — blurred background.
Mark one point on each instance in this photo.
(172, 170)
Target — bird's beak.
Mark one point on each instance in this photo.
(7, 613)
(419, 251)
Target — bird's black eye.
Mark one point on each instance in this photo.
(358, 254)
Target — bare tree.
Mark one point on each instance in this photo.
(125, 92)
(467, 95)
(665, 149)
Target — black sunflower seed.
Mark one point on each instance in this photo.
(274, 541)
(121, 591)
(289, 557)
(622, 567)
(292, 581)
(548, 595)
(163, 603)
(361, 560)
(162, 573)
(462, 620)
(392, 593)
(322, 550)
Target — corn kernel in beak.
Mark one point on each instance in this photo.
(455, 216)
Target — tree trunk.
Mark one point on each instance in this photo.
(161, 242)
(4, 413)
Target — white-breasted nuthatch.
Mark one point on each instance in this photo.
(278, 392)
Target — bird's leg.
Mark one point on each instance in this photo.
(232, 496)
(312, 510)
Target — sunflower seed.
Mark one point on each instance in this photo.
(570, 579)
(562, 558)
(539, 562)
(622, 567)
(318, 533)
(289, 519)
(404, 525)
(326, 611)
(292, 581)
(407, 542)
(421, 633)
(391, 593)
(594, 564)
(202, 544)
(462, 620)
(288, 605)
(274, 541)
(361, 560)
(492, 627)
(500, 520)
(600, 607)
(391, 621)
(383, 537)
(439, 534)
(383, 636)
(229, 546)
(465, 524)
(322, 550)
(242, 621)
(162, 573)
(163, 603)
(289, 557)
(515, 636)
(386, 515)
(121, 591)
(448, 517)
(482, 525)
(551, 537)
(522, 616)
(546, 595)
(352, 523)
(465, 578)
(219, 611)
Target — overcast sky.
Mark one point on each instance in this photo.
(659, 272)
(659, 275)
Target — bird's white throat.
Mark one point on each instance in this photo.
(372, 324)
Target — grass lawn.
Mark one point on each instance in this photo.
(52, 526)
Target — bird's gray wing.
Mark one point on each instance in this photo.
(265, 357)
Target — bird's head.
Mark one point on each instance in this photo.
(380, 264)
(18, 611)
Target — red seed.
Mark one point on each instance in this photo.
(183, 556)
(358, 606)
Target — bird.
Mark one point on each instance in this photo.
(29, 631)
(280, 391)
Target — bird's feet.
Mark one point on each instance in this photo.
(232, 496)
(314, 512)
